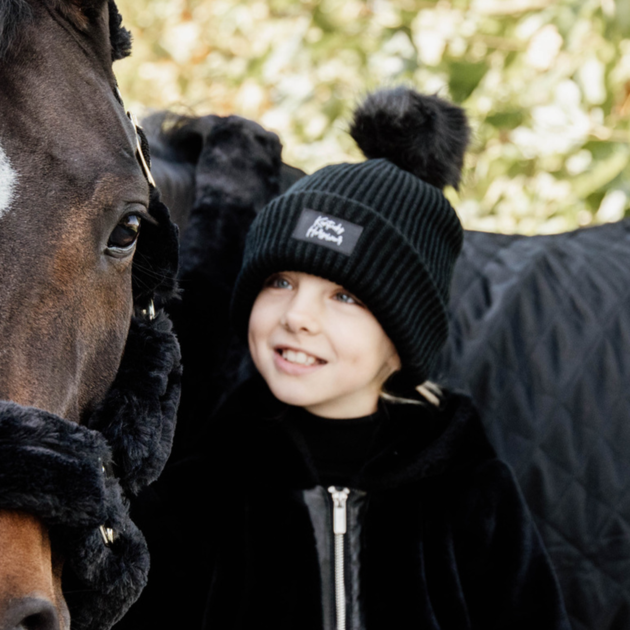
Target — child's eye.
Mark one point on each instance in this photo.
(348, 298)
(278, 282)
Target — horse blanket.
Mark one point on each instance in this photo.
(540, 338)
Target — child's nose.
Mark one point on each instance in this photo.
(301, 317)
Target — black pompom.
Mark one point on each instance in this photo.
(424, 135)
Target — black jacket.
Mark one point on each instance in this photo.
(438, 533)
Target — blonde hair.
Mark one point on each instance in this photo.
(430, 391)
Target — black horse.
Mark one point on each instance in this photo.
(540, 338)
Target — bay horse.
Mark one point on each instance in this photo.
(540, 338)
(73, 195)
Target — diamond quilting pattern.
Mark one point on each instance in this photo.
(540, 337)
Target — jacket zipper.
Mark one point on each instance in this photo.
(339, 523)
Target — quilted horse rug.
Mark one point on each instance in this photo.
(540, 338)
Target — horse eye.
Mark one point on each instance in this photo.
(125, 233)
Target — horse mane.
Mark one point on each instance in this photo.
(173, 137)
(15, 13)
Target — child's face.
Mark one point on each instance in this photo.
(317, 347)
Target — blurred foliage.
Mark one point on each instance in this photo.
(546, 85)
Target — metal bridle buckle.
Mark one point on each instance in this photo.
(108, 534)
(149, 311)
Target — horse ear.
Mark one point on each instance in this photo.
(79, 12)
(84, 12)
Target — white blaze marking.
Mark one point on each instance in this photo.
(8, 178)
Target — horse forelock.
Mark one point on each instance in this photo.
(14, 14)
(8, 179)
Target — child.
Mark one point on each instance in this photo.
(326, 492)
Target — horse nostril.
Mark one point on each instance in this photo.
(40, 621)
(30, 613)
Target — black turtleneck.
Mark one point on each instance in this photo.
(338, 447)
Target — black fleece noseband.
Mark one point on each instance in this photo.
(58, 470)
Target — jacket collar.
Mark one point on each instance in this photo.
(249, 436)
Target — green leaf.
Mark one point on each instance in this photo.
(506, 119)
(464, 78)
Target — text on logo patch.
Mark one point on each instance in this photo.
(327, 230)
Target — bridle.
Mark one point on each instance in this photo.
(108, 533)
(78, 479)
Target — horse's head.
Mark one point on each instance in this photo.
(78, 222)
(72, 195)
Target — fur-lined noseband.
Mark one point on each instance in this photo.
(57, 470)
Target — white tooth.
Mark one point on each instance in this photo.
(299, 357)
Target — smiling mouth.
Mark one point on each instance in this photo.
(298, 357)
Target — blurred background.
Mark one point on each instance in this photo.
(546, 85)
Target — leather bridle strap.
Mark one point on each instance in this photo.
(140, 152)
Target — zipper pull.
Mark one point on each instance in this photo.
(339, 497)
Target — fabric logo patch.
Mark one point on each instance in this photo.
(327, 231)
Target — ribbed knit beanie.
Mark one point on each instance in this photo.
(382, 228)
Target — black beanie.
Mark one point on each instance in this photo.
(382, 229)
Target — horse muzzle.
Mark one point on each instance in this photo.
(77, 480)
